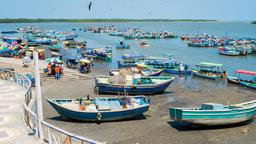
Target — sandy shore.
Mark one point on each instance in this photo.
(155, 126)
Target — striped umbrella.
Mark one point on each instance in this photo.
(54, 60)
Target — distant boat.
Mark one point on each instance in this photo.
(215, 114)
(9, 32)
(209, 71)
(143, 43)
(229, 52)
(55, 47)
(130, 60)
(101, 109)
(11, 40)
(55, 54)
(243, 82)
(100, 53)
(122, 45)
(134, 70)
(133, 85)
(168, 65)
(70, 42)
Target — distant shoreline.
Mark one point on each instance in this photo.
(23, 20)
(253, 22)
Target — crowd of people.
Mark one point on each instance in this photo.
(55, 69)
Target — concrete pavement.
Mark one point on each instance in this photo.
(12, 128)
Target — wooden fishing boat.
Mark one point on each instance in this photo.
(209, 71)
(11, 40)
(101, 109)
(55, 54)
(130, 60)
(70, 42)
(143, 43)
(9, 32)
(170, 66)
(135, 70)
(233, 80)
(133, 85)
(215, 114)
(243, 82)
(228, 52)
(55, 47)
(122, 45)
(248, 84)
(100, 53)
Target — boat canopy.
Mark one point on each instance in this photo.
(211, 64)
(246, 72)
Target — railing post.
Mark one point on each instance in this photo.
(38, 95)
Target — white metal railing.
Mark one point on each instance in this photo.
(51, 133)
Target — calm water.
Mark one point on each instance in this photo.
(176, 47)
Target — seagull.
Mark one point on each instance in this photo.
(89, 6)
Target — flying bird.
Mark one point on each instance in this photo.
(89, 6)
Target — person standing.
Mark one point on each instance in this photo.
(49, 69)
(57, 72)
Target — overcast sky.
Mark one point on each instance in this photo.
(225, 10)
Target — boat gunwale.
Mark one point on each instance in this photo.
(135, 85)
(123, 110)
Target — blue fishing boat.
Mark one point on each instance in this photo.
(11, 40)
(209, 71)
(55, 47)
(134, 71)
(9, 32)
(229, 51)
(215, 114)
(130, 60)
(100, 53)
(101, 109)
(133, 85)
(39, 41)
(243, 82)
(170, 66)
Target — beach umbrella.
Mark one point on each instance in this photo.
(15, 47)
(3, 47)
(54, 60)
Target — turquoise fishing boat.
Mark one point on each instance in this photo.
(215, 114)
(101, 109)
(209, 71)
(122, 45)
(243, 81)
(134, 85)
(55, 47)
(100, 53)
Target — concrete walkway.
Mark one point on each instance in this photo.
(12, 128)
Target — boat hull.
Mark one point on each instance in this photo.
(248, 85)
(176, 71)
(125, 65)
(133, 89)
(196, 73)
(229, 53)
(233, 80)
(213, 117)
(93, 116)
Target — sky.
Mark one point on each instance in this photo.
(224, 10)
